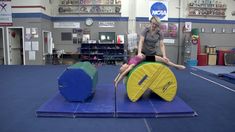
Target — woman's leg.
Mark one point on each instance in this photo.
(122, 75)
(158, 58)
(116, 78)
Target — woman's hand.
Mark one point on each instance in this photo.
(165, 59)
(141, 55)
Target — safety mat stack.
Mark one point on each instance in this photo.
(103, 105)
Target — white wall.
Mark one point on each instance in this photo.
(141, 10)
(48, 5)
(25, 3)
(177, 8)
(44, 3)
(230, 8)
(173, 7)
(125, 8)
(55, 6)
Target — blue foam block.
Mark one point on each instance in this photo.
(75, 85)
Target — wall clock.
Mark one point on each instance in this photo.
(89, 21)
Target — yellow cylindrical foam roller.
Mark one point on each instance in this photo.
(151, 75)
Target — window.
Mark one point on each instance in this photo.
(107, 37)
(66, 36)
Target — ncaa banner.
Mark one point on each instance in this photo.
(159, 9)
(5, 13)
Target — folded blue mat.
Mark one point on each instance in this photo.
(103, 105)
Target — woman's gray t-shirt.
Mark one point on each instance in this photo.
(151, 41)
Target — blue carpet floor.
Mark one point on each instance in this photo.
(24, 88)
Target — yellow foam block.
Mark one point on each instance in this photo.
(154, 76)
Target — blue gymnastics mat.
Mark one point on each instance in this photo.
(103, 105)
(151, 105)
(230, 77)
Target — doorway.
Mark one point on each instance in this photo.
(47, 47)
(15, 47)
(2, 52)
(47, 42)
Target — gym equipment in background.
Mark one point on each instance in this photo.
(78, 81)
(151, 75)
(229, 59)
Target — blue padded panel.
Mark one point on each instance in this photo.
(57, 106)
(230, 77)
(101, 105)
(126, 108)
(150, 105)
(177, 107)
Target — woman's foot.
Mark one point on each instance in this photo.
(116, 84)
(180, 67)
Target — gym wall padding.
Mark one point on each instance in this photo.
(78, 82)
(151, 75)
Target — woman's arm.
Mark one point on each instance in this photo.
(140, 46)
(163, 50)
